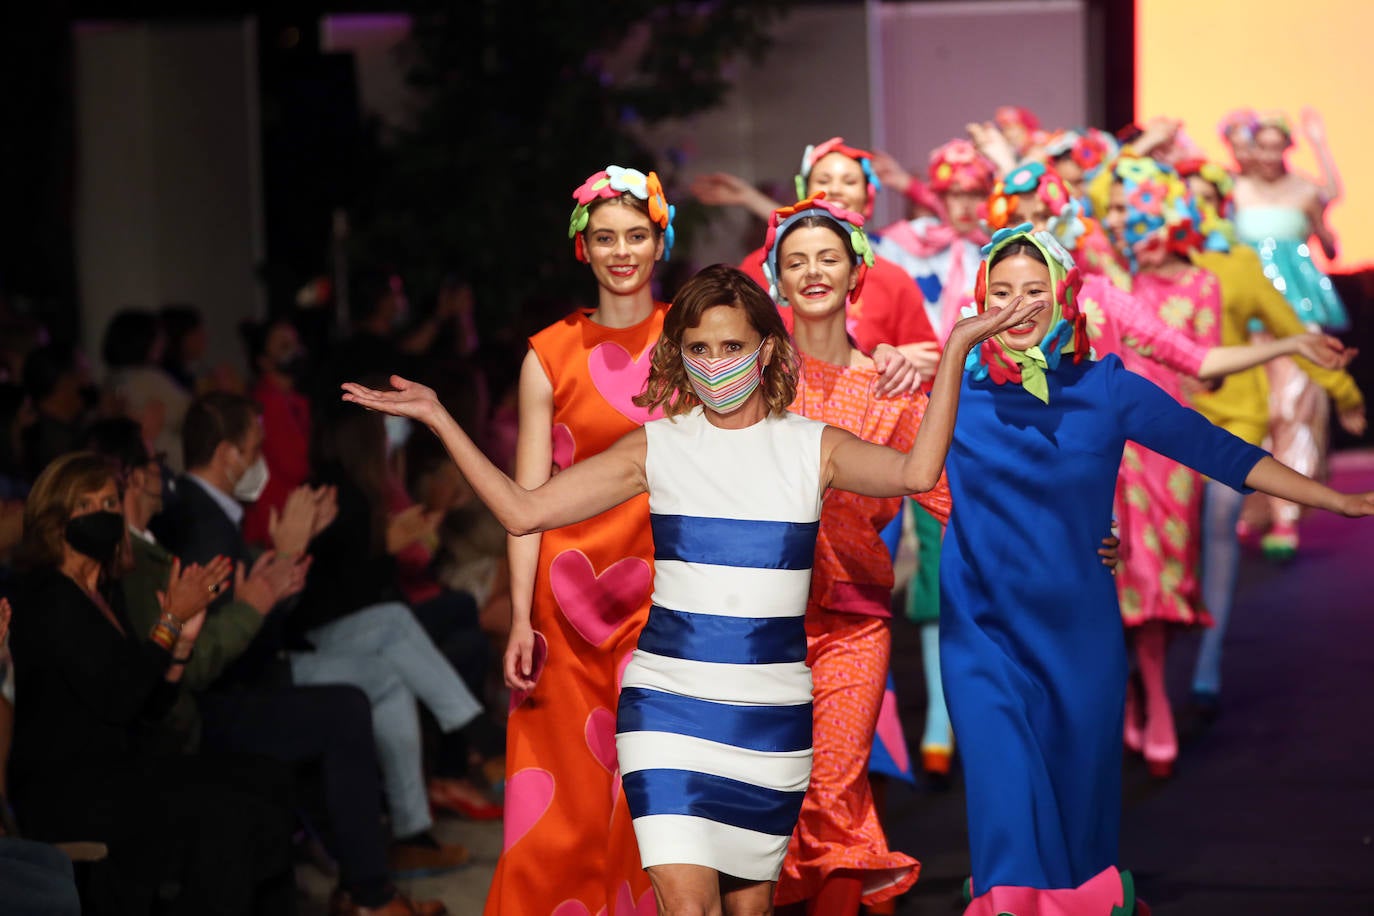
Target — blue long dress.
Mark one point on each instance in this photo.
(1031, 645)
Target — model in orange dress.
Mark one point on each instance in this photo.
(816, 260)
(580, 594)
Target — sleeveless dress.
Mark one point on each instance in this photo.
(1299, 411)
(568, 837)
(1279, 235)
(714, 729)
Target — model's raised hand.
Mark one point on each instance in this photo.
(406, 399)
(972, 331)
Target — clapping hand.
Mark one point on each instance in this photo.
(190, 589)
(5, 612)
(414, 523)
(272, 578)
(307, 512)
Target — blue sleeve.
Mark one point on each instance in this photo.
(1148, 415)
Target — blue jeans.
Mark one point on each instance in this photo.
(1220, 565)
(383, 650)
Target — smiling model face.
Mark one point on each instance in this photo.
(816, 274)
(622, 247)
(1017, 276)
(842, 179)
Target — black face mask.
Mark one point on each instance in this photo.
(96, 535)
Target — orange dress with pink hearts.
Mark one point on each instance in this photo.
(569, 842)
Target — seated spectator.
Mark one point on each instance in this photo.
(277, 358)
(58, 382)
(361, 631)
(138, 386)
(253, 703)
(86, 678)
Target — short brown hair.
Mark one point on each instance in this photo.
(219, 416)
(713, 286)
(50, 504)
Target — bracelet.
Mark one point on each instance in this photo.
(183, 661)
(164, 635)
(168, 620)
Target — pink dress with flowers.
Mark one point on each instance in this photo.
(1159, 501)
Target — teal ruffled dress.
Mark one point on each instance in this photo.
(1280, 236)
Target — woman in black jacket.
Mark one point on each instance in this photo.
(85, 681)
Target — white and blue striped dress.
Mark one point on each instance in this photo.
(714, 728)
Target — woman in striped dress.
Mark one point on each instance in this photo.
(714, 725)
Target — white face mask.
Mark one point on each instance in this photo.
(252, 483)
(397, 431)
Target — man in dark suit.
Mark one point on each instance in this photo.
(250, 705)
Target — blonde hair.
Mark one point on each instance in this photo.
(714, 286)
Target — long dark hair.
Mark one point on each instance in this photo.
(353, 442)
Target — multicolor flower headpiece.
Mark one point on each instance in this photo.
(816, 153)
(1043, 183)
(1068, 327)
(958, 166)
(1243, 124)
(848, 223)
(1219, 233)
(1159, 210)
(613, 181)
(1088, 147)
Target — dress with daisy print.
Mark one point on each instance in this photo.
(1159, 501)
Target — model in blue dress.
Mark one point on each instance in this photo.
(1031, 647)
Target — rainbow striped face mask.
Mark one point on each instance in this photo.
(725, 383)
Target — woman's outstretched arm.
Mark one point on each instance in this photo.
(1278, 479)
(586, 489)
(861, 467)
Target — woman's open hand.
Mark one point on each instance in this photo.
(406, 399)
(970, 332)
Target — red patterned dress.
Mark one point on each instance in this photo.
(849, 644)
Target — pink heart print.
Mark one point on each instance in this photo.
(529, 792)
(564, 446)
(625, 902)
(619, 378)
(597, 605)
(573, 908)
(600, 735)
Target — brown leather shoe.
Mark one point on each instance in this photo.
(409, 860)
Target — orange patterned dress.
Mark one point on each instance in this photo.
(849, 645)
(569, 844)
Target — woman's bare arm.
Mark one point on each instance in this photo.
(586, 489)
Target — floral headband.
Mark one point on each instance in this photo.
(849, 223)
(1159, 210)
(613, 181)
(1068, 331)
(958, 166)
(1043, 182)
(1014, 115)
(814, 154)
(1089, 147)
(1244, 123)
(1218, 232)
